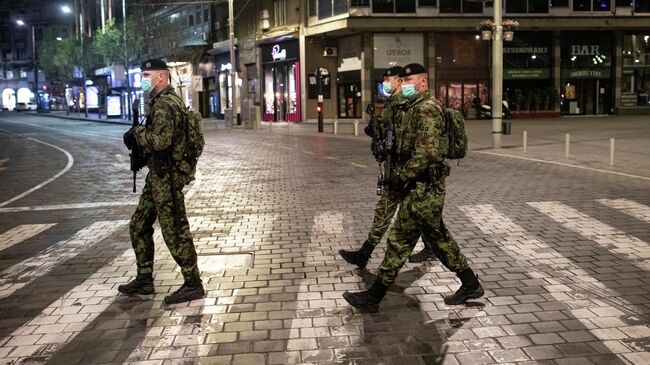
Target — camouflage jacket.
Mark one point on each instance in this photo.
(417, 139)
(390, 113)
(165, 129)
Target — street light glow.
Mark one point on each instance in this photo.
(59, 38)
(20, 22)
(66, 9)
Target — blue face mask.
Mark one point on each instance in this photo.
(408, 91)
(146, 85)
(388, 88)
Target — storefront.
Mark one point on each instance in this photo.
(586, 73)
(281, 81)
(635, 84)
(394, 50)
(462, 71)
(527, 68)
(221, 93)
(348, 78)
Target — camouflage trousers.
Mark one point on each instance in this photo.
(384, 211)
(157, 201)
(420, 215)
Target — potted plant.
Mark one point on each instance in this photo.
(509, 27)
(486, 27)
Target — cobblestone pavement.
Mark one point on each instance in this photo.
(562, 253)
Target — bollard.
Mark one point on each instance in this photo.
(611, 151)
(567, 142)
(356, 128)
(270, 127)
(335, 126)
(288, 127)
(525, 141)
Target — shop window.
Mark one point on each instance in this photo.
(450, 6)
(516, 6)
(559, 3)
(636, 70)
(538, 6)
(642, 6)
(423, 3)
(623, 3)
(360, 3)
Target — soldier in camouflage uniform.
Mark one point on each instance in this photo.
(420, 181)
(389, 200)
(163, 141)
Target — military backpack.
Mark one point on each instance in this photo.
(193, 132)
(454, 137)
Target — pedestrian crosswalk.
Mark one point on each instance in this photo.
(513, 231)
(22, 233)
(25, 272)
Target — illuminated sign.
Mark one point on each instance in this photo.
(278, 54)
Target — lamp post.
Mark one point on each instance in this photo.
(21, 23)
(497, 76)
(126, 62)
(233, 68)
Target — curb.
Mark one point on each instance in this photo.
(107, 121)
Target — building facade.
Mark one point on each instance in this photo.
(22, 29)
(567, 56)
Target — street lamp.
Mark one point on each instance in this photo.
(66, 9)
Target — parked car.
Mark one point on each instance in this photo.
(25, 106)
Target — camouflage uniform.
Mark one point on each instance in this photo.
(164, 129)
(421, 172)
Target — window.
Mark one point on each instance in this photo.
(20, 52)
(427, 3)
(622, 3)
(461, 6)
(393, 6)
(559, 3)
(592, 5)
(38, 34)
(4, 15)
(642, 6)
(279, 12)
(382, 6)
(329, 8)
(206, 15)
(360, 3)
(635, 83)
(19, 36)
(313, 8)
(450, 6)
(6, 34)
(527, 6)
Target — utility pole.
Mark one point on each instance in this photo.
(126, 62)
(233, 68)
(497, 76)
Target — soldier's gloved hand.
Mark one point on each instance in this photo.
(129, 139)
(367, 130)
(395, 184)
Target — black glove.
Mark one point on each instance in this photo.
(367, 130)
(395, 184)
(129, 139)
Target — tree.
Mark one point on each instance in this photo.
(110, 45)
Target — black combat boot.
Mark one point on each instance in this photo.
(367, 301)
(142, 284)
(190, 290)
(470, 289)
(425, 255)
(359, 258)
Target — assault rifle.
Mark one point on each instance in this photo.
(382, 147)
(136, 153)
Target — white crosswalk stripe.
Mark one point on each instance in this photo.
(21, 233)
(629, 207)
(605, 235)
(57, 324)
(28, 270)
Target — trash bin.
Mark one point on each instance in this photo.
(506, 128)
